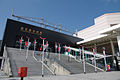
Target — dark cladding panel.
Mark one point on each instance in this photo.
(10, 33)
(16, 28)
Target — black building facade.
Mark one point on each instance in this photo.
(15, 30)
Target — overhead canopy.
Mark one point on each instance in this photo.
(91, 39)
(105, 34)
(112, 30)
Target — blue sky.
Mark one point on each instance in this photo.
(73, 14)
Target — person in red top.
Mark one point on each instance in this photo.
(41, 47)
(56, 47)
(20, 40)
(26, 44)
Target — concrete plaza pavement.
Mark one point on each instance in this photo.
(115, 75)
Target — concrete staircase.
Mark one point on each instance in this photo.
(72, 65)
(18, 59)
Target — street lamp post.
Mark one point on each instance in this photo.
(43, 56)
(27, 48)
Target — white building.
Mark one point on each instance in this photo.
(104, 33)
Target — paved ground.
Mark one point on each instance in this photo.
(89, 76)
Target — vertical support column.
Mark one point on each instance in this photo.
(95, 50)
(95, 46)
(118, 40)
(112, 46)
(104, 59)
(83, 60)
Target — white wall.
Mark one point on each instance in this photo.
(101, 23)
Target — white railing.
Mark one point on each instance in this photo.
(88, 52)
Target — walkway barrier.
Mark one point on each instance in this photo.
(89, 57)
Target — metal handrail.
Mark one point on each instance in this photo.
(54, 59)
(45, 64)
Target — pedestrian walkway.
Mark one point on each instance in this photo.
(89, 76)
